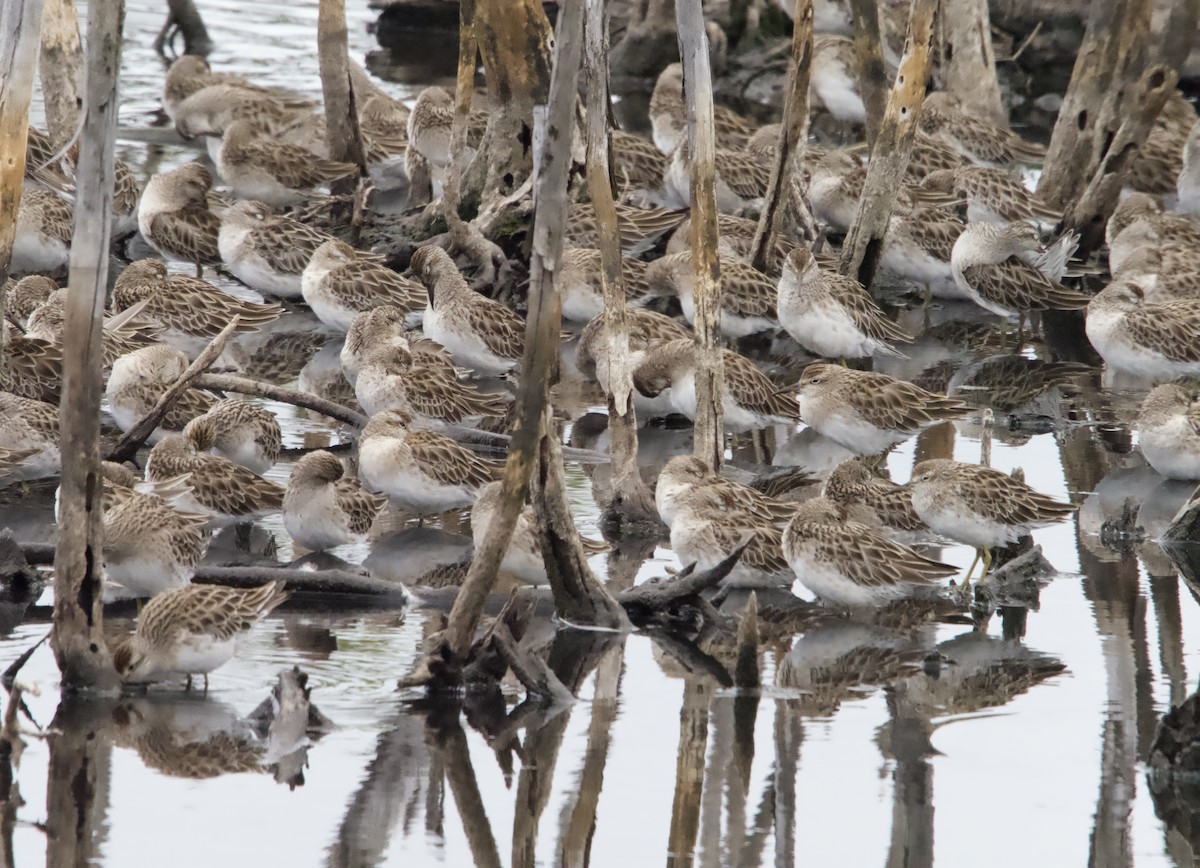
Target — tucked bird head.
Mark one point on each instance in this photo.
(28, 294)
(158, 364)
(318, 467)
(388, 423)
(188, 66)
(684, 469)
(118, 474)
(818, 510)
(192, 181)
(933, 470)
(846, 477)
(333, 254)
(247, 212)
(663, 274)
(1119, 296)
(202, 432)
(391, 358)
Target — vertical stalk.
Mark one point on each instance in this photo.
(61, 69)
(701, 145)
(77, 636)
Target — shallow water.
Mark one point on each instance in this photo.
(856, 753)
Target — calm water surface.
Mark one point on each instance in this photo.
(1026, 752)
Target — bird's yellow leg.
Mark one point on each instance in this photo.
(987, 564)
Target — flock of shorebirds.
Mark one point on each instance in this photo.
(966, 227)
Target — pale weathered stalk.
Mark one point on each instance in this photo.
(968, 62)
(1071, 158)
(78, 636)
(343, 136)
(701, 146)
(793, 134)
(631, 501)
(872, 72)
(19, 26)
(60, 67)
(889, 157)
(464, 89)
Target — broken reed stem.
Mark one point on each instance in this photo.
(709, 437)
(343, 135)
(77, 638)
(1090, 214)
(464, 88)
(60, 66)
(968, 61)
(863, 247)
(793, 134)
(1071, 157)
(632, 500)
(246, 386)
(133, 439)
(872, 73)
(18, 60)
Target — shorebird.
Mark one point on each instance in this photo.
(338, 284)
(1169, 430)
(192, 631)
(853, 485)
(646, 329)
(868, 412)
(1188, 185)
(324, 507)
(421, 471)
(979, 506)
(831, 314)
(1165, 273)
(668, 115)
(579, 287)
(261, 168)
(1007, 270)
(30, 368)
(267, 252)
(122, 333)
(750, 400)
(187, 309)
(430, 122)
(523, 557)
(992, 196)
(684, 473)
(224, 491)
(735, 238)
(424, 386)
(740, 181)
(190, 73)
(1158, 341)
(847, 563)
(747, 295)
(835, 79)
(1138, 223)
(381, 327)
(637, 163)
(209, 111)
(639, 228)
(29, 438)
(705, 532)
(149, 546)
(27, 295)
(140, 378)
(918, 248)
(480, 333)
(243, 432)
(976, 138)
(175, 219)
(42, 241)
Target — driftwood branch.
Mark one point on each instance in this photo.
(688, 584)
(133, 439)
(793, 134)
(872, 73)
(632, 502)
(77, 637)
(889, 157)
(246, 386)
(701, 144)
